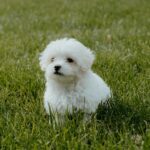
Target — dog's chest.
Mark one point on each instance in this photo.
(71, 97)
(66, 99)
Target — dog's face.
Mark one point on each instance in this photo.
(62, 67)
(65, 59)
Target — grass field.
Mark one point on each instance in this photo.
(118, 32)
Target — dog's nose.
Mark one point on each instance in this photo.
(57, 68)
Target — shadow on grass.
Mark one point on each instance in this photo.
(114, 116)
(117, 116)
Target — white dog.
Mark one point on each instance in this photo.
(70, 82)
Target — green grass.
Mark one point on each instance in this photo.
(118, 32)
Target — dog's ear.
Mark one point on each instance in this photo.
(44, 57)
(42, 61)
(86, 59)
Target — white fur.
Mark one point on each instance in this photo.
(79, 86)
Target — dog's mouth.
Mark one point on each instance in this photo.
(58, 73)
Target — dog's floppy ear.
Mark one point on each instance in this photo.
(44, 56)
(86, 59)
(42, 60)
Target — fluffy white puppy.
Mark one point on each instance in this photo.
(70, 82)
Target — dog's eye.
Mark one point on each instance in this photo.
(70, 60)
(52, 59)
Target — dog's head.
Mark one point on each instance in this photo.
(66, 59)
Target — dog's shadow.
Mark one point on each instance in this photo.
(117, 115)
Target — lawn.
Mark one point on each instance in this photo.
(117, 31)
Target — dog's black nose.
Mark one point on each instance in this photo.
(57, 68)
